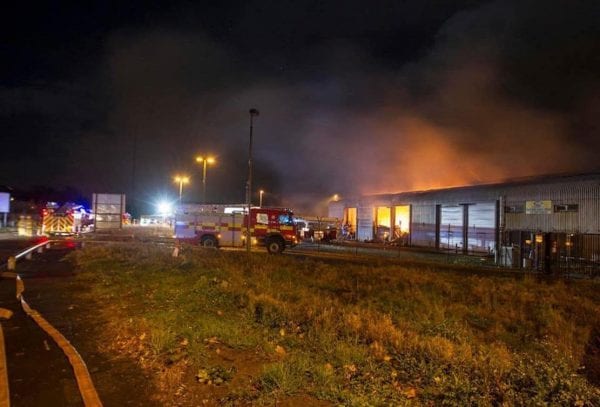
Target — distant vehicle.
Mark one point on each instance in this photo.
(273, 228)
(68, 219)
(317, 228)
(155, 220)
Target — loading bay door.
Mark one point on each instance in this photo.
(451, 227)
(468, 227)
(481, 234)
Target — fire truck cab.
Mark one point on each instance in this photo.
(273, 228)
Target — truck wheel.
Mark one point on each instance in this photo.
(208, 241)
(275, 245)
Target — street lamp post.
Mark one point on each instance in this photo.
(253, 112)
(181, 180)
(204, 161)
(261, 193)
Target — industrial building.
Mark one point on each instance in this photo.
(547, 223)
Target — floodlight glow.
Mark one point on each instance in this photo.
(164, 207)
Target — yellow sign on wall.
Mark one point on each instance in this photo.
(538, 207)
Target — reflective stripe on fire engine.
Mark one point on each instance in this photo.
(224, 227)
(62, 224)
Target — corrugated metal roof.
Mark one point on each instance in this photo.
(494, 189)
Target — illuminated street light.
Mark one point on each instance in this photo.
(181, 179)
(204, 161)
(336, 197)
(253, 112)
(261, 193)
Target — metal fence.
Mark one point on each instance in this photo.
(570, 253)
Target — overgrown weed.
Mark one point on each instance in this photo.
(359, 335)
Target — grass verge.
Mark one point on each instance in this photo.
(279, 327)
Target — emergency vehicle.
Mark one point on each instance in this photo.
(318, 228)
(270, 227)
(67, 219)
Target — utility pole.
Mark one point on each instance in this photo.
(204, 161)
(253, 112)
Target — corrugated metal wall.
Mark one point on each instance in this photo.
(336, 209)
(487, 208)
(586, 220)
(365, 222)
(423, 228)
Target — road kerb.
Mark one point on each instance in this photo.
(82, 375)
(4, 388)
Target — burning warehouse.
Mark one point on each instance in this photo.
(546, 223)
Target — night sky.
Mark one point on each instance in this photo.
(354, 96)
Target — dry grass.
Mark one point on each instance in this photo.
(353, 334)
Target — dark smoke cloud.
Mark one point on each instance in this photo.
(504, 89)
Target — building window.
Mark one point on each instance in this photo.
(566, 208)
(518, 208)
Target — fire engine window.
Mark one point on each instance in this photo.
(262, 218)
(286, 219)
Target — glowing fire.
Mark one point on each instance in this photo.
(420, 156)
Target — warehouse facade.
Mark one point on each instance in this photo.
(546, 223)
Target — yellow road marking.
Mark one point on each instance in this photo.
(4, 388)
(82, 375)
(20, 287)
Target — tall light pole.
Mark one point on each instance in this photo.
(181, 179)
(204, 161)
(253, 112)
(261, 193)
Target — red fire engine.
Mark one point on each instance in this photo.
(270, 227)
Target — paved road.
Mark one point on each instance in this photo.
(10, 245)
(39, 372)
